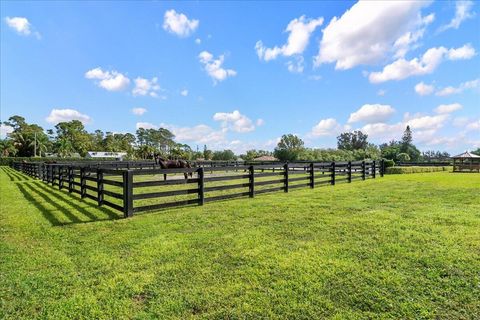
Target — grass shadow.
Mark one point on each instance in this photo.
(72, 209)
(10, 176)
(47, 213)
(71, 200)
(15, 175)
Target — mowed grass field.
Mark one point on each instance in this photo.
(398, 247)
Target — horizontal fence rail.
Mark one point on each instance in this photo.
(132, 187)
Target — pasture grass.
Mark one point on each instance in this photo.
(398, 247)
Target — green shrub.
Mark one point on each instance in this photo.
(402, 170)
(389, 163)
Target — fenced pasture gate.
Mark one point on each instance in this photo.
(134, 186)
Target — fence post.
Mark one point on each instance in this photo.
(70, 179)
(99, 187)
(51, 175)
(363, 170)
(332, 181)
(285, 183)
(83, 183)
(382, 167)
(374, 170)
(251, 182)
(60, 177)
(349, 172)
(201, 185)
(128, 193)
(312, 175)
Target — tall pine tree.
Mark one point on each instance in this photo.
(407, 138)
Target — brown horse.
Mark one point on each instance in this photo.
(169, 164)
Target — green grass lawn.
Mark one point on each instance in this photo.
(398, 247)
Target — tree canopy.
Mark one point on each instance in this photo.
(70, 138)
(289, 148)
(356, 140)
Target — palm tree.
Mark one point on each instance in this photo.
(65, 147)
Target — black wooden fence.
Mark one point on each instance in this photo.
(122, 186)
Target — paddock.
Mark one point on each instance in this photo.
(133, 187)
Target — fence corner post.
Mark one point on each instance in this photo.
(201, 186)
(332, 181)
(285, 183)
(251, 181)
(374, 170)
(312, 175)
(128, 193)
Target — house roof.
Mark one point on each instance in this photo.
(105, 154)
(466, 154)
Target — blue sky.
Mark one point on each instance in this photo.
(239, 75)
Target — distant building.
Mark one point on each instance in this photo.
(466, 162)
(55, 155)
(106, 155)
(266, 158)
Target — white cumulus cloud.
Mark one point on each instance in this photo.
(179, 24)
(462, 87)
(201, 134)
(424, 89)
(5, 130)
(448, 108)
(108, 80)
(431, 59)
(139, 111)
(234, 121)
(22, 26)
(462, 53)
(184, 92)
(326, 127)
(371, 30)
(214, 68)
(300, 30)
(426, 122)
(463, 11)
(146, 125)
(473, 126)
(19, 24)
(296, 65)
(65, 115)
(372, 113)
(383, 130)
(145, 87)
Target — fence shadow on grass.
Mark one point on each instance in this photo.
(14, 175)
(50, 202)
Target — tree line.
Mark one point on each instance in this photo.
(71, 139)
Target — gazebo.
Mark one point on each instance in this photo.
(466, 162)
